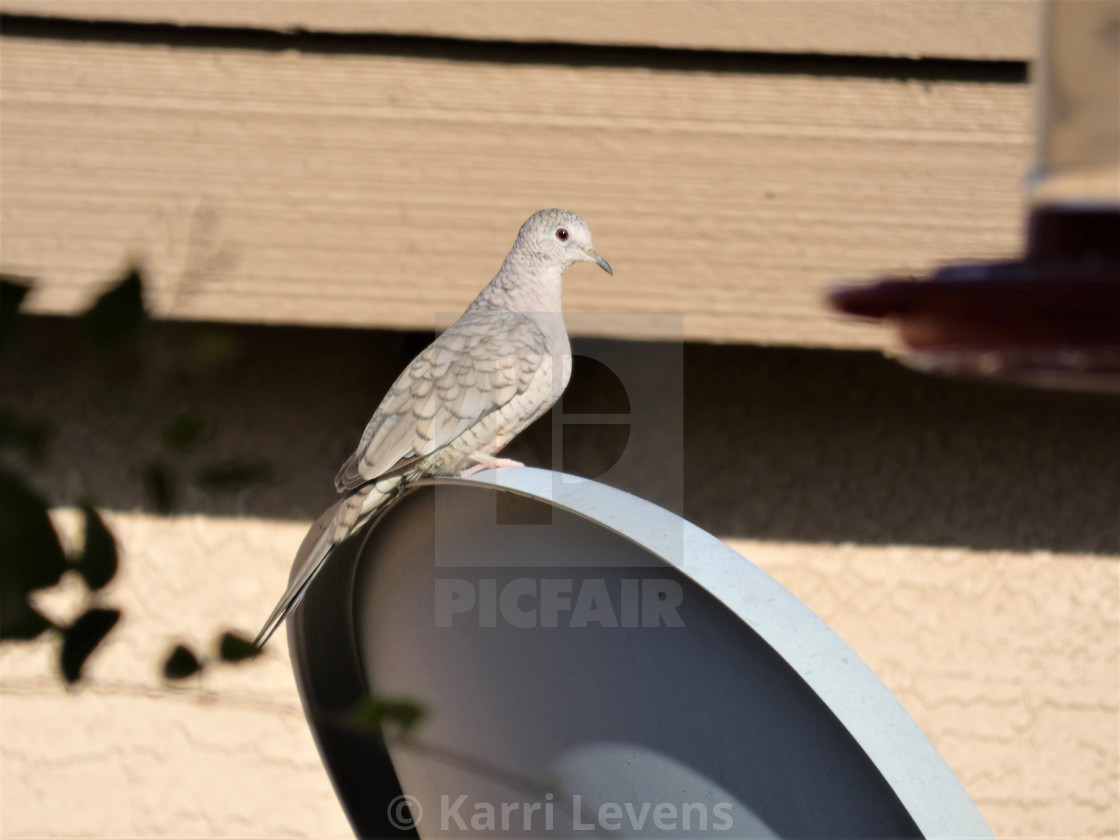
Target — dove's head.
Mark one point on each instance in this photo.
(557, 238)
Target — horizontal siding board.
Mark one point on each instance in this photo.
(379, 190)
(970, 29)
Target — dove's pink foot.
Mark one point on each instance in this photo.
(482, 461)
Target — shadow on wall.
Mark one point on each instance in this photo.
(776, 443)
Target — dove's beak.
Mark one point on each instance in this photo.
(593, 255)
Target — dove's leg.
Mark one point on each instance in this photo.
(482, 461)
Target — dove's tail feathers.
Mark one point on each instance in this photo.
(320, 552)
(350, 515)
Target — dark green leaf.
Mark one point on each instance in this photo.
(181, 663)
(186, 431)
(98, 561)
(235, 648)
(20, 621)
(23, 433)
(116, 316)
(82, 637)
(31, 556)
(214, 349)
(231, 476)
(382, 713)
(159, 486)
(12, 292)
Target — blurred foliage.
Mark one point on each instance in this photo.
(12, 292)
(233, 475)
(31, 437)
(235, 648)
(32, 556)
(181, 663)
(184, 662)
(159, 486)
(387, 716)
(117, 316)
(97, 563)
(213, 349)
(82, 637)
(185, 431)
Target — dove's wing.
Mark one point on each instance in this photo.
(480, 363)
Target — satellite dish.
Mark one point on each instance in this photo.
(594, 665)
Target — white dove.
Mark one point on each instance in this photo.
(482, 381)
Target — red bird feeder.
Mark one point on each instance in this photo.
(1051, 318)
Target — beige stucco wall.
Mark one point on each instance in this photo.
(962, 539)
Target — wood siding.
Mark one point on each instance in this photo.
(362, 182)
(971, 29)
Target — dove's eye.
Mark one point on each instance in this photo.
(562, 234)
